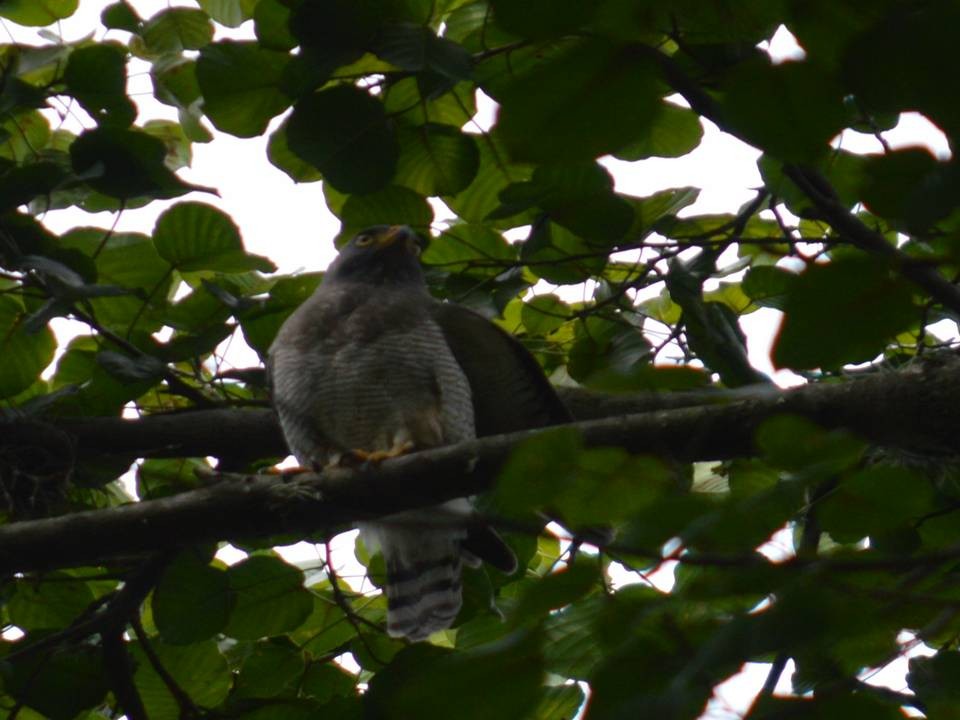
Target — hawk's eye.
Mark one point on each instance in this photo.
(363, 240)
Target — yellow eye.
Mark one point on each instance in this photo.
(363, 240)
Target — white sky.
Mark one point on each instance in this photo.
(290, 224)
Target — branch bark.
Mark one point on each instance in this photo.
(917, 410)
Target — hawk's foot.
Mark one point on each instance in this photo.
(378, 456)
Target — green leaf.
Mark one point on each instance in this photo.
(559, 703)
(161, 477)
(37, 12)
(199, 670)
(542, 19)
(592, 99)
(324, 681)
(270, 598)
(413, 47)
(260, 325)
(128, 261)
(543, 314)
(23, 135)
(842, 312)
(461, 245)
(337, 31)
(231, 13)
(195, 236)
(768, 286)
(407, 687)
(327, 627)
(280, 155)
(605, 350)
(176, 29)
(241, 83)
(59, 684)
(578, 196)
(25, 355)
(121, 16)
(271, 23)
(344, 133)
(585, 487)
(896, 63)
(557, 590)
(559, 256)
(97, 77)
(840, 707)
(52, 603)
(570, 647)
(910, 188)
(391, 206)
(481, 197)
(192, 600)
(798, 445)
(873, 501)
(790, 110)
(935, 680)
(273, 668)
(674, 132)
(650, 212)
(436, 159)
(337, 709)
(122, 163)
(409, 101)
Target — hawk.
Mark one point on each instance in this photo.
(372, 366)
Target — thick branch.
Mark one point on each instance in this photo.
(924, 276)
(921, 407)
(908, 409)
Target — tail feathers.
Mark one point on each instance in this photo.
(423, 585)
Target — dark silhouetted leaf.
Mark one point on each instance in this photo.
(843, 312)
(97, 77)
(241, 83)
(192, 600)
(592, 99)
(345, 134)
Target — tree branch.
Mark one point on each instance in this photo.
(921, 408)
(817, 189)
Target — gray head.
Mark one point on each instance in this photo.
(379, 255)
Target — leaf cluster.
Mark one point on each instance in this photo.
(382, 102)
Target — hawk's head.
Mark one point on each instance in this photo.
(380, 255)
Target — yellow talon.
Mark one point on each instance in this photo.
(377, 456)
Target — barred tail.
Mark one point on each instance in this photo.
(424, 564)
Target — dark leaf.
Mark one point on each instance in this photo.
(344, 133)
(192, 600)
(97, 77)
(241, 86)
(842, 312)
(407, 687)
(790, 110)
(125, 164)
(592, 99)
(542, 19)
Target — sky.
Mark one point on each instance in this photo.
(290, 223)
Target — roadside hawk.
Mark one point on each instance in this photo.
(372, 366)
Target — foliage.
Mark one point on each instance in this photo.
(375, 99)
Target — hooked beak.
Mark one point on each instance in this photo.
(403, 234)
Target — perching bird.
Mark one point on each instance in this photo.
(371, 366)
